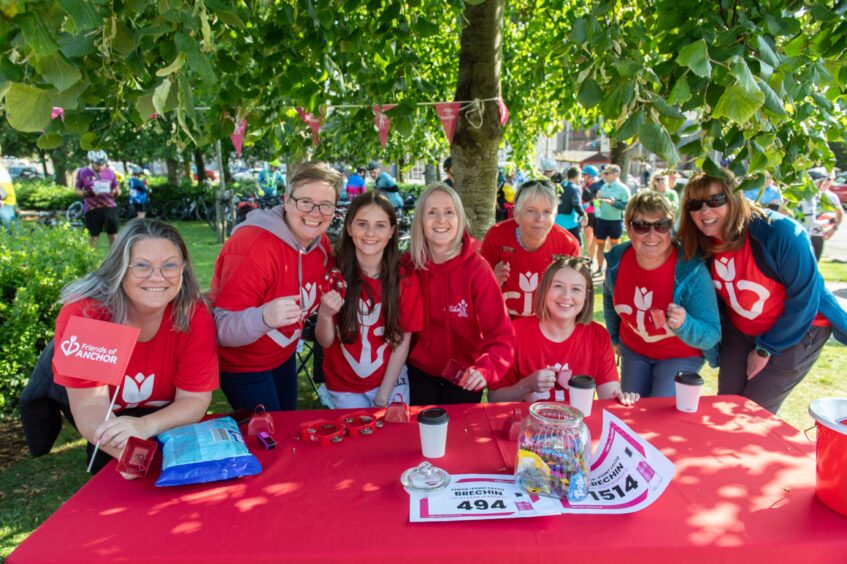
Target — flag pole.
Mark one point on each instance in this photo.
(108, 413)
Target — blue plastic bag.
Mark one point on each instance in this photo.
(205, 452)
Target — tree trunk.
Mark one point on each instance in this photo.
(186, 165)
(227, 175)
(619, 155)
(475, 149)
(431, 173)
(173, 170)
(200, 165)
(60, 165)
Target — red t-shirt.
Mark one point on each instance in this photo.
(255, 267)
(526, 267)
(587, 351)
(636, 292)
(360, 366)
(170, 360)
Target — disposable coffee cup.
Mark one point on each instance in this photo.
(581, 393)
(688, 387)
(433, 426)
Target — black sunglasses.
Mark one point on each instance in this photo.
(713, 201)
(643, 227)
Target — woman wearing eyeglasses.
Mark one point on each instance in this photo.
(266, 283)
(779, 314)
(146, 281)
(659, 307)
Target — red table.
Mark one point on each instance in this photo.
(744, 492)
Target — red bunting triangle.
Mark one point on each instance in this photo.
(314, 123)
(504, 111)
(382, 121)
(448, 113)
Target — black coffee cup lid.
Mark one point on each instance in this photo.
(433, 416)
(582, 382)
(689, 378)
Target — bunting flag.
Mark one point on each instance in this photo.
(382, 121)
(448, 113)
(57, 112)
(504, 111)
(237, 136)
(314, 123)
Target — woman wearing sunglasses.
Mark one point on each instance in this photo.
(779, 314)
(659, 307)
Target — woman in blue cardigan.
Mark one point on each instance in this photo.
(660, 309)
(778, 311)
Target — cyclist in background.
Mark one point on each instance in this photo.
(99, 188)
(139, 193)
(386, 184)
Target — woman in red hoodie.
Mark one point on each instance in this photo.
(467, 341)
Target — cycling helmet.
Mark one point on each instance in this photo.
(548, 164)
(590, 170)
(373, 165)
(98, 157)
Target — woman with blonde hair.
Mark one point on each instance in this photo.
(467, 341)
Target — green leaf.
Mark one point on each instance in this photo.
(78, 122)
(83, 13)
(589, 93)
(579, 32)
(738, 104)
(744, 77)
(693, 148)
(666, 109)
(696, 57)
(27, 108)
(74, 46)
(124, 41)
(766, 52)
(631, 126)
(711, 168)
(144, 105)
(70, 98)
(197, 60)
(36, 34)
(88, 141)
(160, 97)
(49, 141)
(821, 12)
(754, 182)
(655, 138)
(58, 71)
(772, 101)
(680, 93)
(173, 67)
(617, 101)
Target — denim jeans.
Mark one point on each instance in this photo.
(653, 378)
(276, 389)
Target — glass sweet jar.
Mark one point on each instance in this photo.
(554, 452)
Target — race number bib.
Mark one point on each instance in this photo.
(102, 187)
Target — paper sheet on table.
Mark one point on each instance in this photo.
(627, 475)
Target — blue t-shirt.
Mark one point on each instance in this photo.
(137, 191)
(770, 195)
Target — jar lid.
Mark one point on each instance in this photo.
(582, 382)
(689, 378)
(433, 416)
(424, 478)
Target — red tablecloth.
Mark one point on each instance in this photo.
(743, 492)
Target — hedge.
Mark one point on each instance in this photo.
(35, 263)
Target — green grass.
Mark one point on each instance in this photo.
(32, 489)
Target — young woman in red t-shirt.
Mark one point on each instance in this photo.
(561, 338)
(146, 281)
(366, 334)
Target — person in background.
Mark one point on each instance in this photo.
(266, 283)
(448, 170)
(520, 249)
(570, 214)
(384, 183)
(366, 335)
(467, 340)
(660, 309)
(591, 185)
(8, 200)
(356, 183)
(561, 339)
(611, 202)
(99, 188)
(139, 193)
(659, 184)
(821, 214)
(779, 313)
(768, 196)
(269, 180)
(506, 195)
(146, 281)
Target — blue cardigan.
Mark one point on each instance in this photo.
(782, 251)
(693, 290)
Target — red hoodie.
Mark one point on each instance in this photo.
(465, 318)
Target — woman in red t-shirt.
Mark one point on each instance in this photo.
(561, 340)
(146, 281)
(366, 334)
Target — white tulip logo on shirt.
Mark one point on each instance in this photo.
(137, 389)
(725, 268)
(528, 282)
(643, 300)
(366, 366)
(307, 301)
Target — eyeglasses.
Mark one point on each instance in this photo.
(661, 178)
(713, 201)
(143, 270)
(306, 205)
(643, 227)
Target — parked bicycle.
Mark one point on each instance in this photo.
(75, 214)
